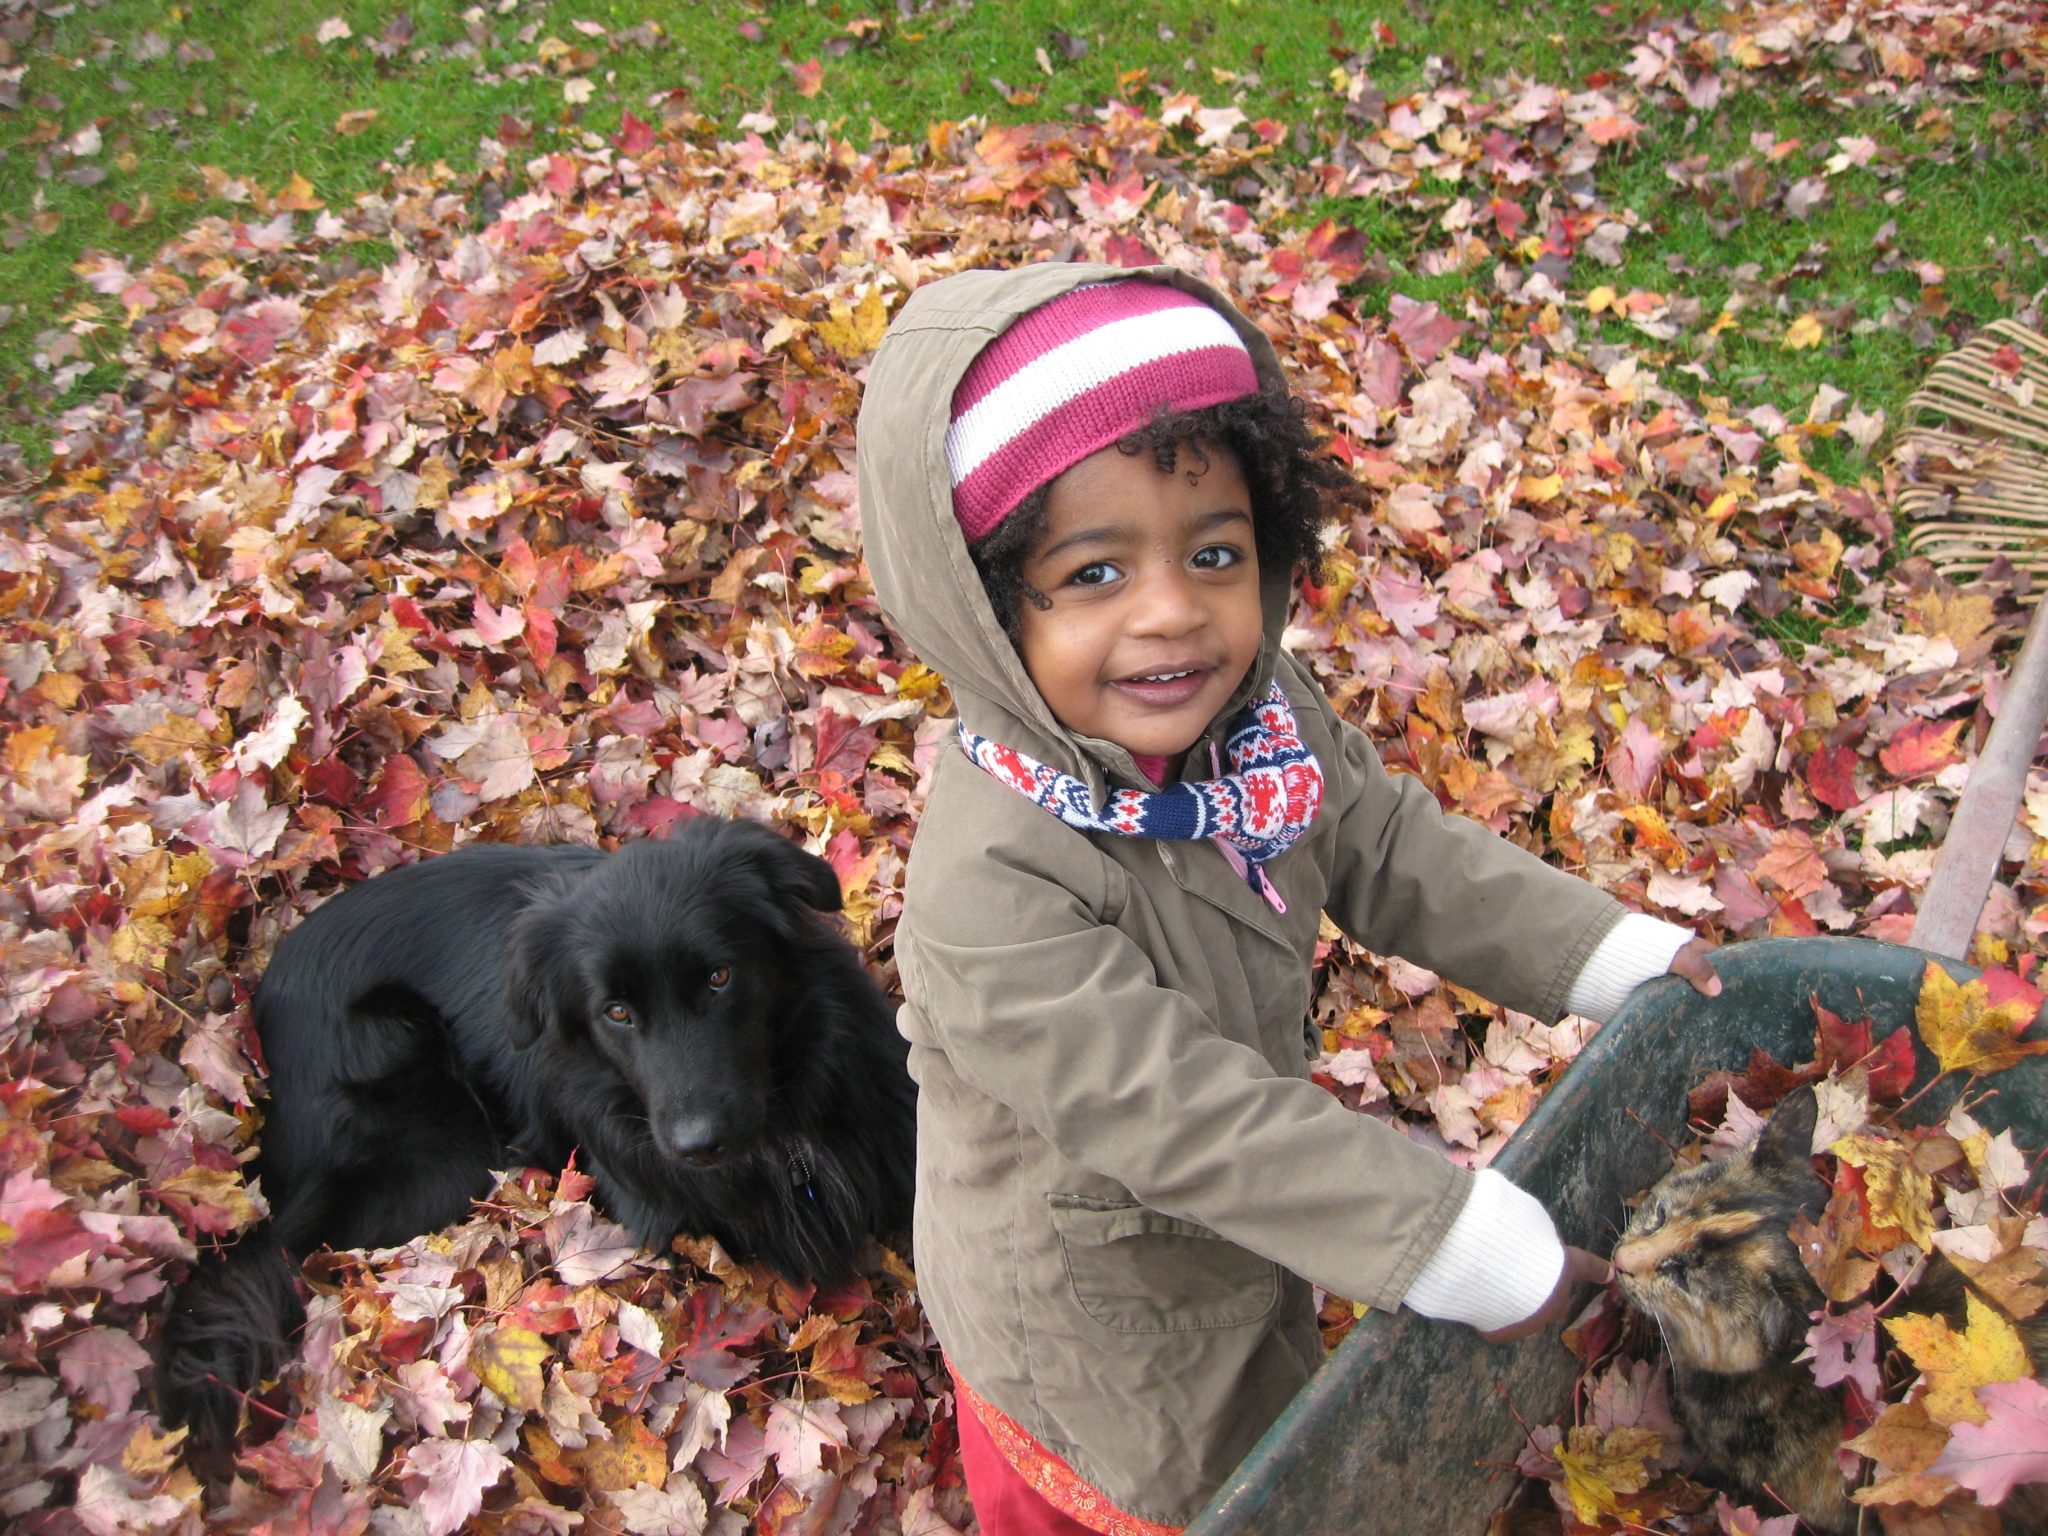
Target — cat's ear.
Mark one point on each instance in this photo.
(1786, 1144)
(1785, 1319)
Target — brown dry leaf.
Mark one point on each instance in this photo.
(2016, 1278)
(1951, 1519)
(1828, 1250)
(1904, 1442)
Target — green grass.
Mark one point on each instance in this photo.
(1798, 628)
(1966, 215)
(266, 104)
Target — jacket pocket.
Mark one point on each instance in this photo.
(1136, 1270)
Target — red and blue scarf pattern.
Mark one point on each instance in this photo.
(1254, 813)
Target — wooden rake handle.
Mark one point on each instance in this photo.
(1968, 861)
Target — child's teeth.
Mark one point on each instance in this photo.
(1162, 677)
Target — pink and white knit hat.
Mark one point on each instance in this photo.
(1076, 374)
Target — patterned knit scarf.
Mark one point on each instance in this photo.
(1254, 812)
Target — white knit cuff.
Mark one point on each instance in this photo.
(1635, 949)
(1497, 1265)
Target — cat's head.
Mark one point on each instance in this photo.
(1707, 1255)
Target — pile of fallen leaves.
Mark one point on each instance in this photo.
(520, 505)
(1941, 1422)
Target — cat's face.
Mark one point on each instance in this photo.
(1706, 1253)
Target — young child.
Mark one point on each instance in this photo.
(1085, 492)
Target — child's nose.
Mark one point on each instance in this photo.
(1169, 604)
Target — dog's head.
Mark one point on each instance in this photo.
(673, 961)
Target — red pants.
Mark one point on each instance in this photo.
(1006, 1469)
(1004, 1504)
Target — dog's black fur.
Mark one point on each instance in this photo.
(675, 1013)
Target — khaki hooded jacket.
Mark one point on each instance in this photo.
(1126, 1179)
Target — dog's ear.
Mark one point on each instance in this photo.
(538, 980)
(790, 868)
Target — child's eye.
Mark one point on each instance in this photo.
(1097, 573)
(1217, 557)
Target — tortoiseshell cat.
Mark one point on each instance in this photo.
(1707, 1256)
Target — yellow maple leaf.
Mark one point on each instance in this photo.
(633, 1455)
(398, 656)
(169, 738)
(852, 331)
(1965, 1033)
(1599, 1469)
(1957, 1364)
(151, 1455)
(1900, 1195)
(298, 195)
(1819, 555)
(1802, 333)
(221, 1188)
(821, 651)
(918, 681)
(843, 1386)
(508, 1360)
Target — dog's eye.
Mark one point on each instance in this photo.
(617, 1013)
(720, 975)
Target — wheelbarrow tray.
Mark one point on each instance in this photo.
(1413, 1426)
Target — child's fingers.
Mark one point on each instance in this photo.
(1580, 1268)
(1694, 963)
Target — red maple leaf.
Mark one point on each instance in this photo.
(1831, 775)
(1922, 748)
(42, 1241)
(635, 137)
(716, 1330)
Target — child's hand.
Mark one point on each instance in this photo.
(1692, 963)
(1580, 1267)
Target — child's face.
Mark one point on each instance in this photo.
(1154, 585)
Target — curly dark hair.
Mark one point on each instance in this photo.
(1295, 491)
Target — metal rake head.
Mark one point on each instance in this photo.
(1974, 456)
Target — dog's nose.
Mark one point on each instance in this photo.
(697, 1143)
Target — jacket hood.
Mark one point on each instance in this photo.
(915, 551)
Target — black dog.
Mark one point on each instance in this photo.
(675, 1013)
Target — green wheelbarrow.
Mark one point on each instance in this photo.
(1411, 1426)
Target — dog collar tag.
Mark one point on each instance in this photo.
(800, 1170)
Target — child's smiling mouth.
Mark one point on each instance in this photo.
(1165, 687)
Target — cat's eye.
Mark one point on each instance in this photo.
(720, 977)
(618, 1014)
(1671, 1268)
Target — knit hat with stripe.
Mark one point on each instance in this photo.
(1073, 376)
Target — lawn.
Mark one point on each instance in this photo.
(130, 119)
